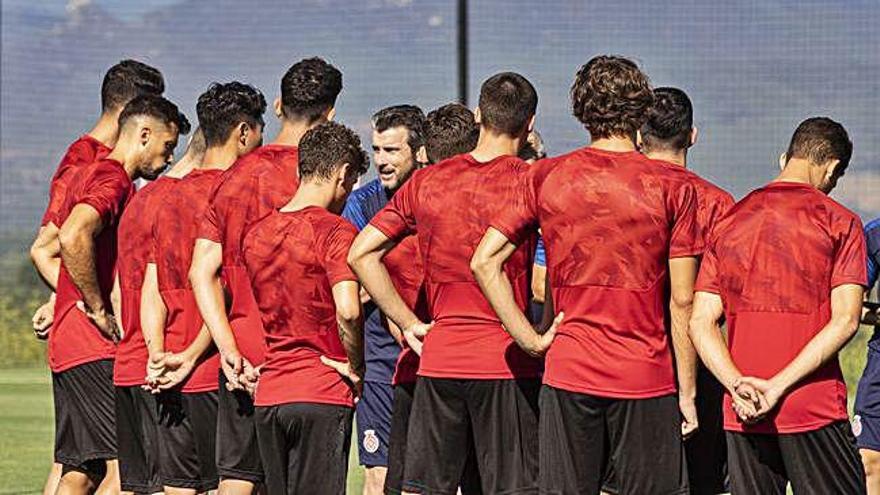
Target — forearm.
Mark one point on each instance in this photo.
(818, 351)
(46, 255)
(200, 345)
(351, 333)
(48, 268)
(153, 316)
(683, 348)
(395, 331)
(209, 297)
(374, 277)
(709, 343)
(79, 259)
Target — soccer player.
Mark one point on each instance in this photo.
(231, 118)
(786, 266)
(255, 185)
(667, 135)
(398, 150)
(81, 345)
(617, 226)
(122, 82)
(472, 376)
(866, 422)
(311, 311)
(136, 435)
(450, 130)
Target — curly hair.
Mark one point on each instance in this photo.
(309, 88)
(410, 117)
(127, 79)
(156, 107)
(326, 147)
(223, 106)
(451, 130)
(611, 96)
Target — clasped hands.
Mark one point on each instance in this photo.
(753, 398)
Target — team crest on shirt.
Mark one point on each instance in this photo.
(371, 441)
(856, 425)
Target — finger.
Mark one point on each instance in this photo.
(82, 307)
(339, 366)
(557, 321)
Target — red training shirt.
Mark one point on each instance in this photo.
(448, 206)
(172, 240)
(294, 259)
(611, 221)
(712, 204)
(257, 184)
(774, 260)
(74, 339)
(407, 272)
(135, 232)
(81, 152)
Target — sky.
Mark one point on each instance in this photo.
(754, 69)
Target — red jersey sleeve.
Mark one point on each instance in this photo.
(336, 242)
(209, 226)
(685, 236)
(106, 191)
(707, 280)
(520, 218)
(849, 258)
(397, 219)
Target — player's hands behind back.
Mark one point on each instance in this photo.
(354, 377)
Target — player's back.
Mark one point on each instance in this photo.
(774, 260)
(611, 221)
(450, 205)
(294, 258)
(173, 236)
(84, 151)
(712, 204)
(258, 183)
(133, 243)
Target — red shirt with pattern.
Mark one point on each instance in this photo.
(257, 184)
(611, 221)
(135, 233)
(74, 339)
(407, 271)
(172, 239)
(84, 151)
(448, 206)
(712, 204)
(774, 260)
(294, 259)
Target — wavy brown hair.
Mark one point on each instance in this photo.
(611, 96)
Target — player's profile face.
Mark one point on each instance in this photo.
(393, 157)
(159, 150)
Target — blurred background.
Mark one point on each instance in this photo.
(754, 69)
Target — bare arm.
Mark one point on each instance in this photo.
(709, 341)
(682, 275)
(204, 275)
(365, 258)
(153, 314)
(46, 254)
(487, 265)
(349, 318)
(116, 303)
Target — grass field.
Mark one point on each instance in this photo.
(26, 430)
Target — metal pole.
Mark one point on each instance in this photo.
(462, 52)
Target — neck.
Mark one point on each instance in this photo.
(106, 129)
(677, 157)
(797, 170)
(491, 145)
(183, 167)
(292, 132)
(620, 144)
(310, 193)
(220, 157)
(124, 153)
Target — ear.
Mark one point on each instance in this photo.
(832, 168)
(277, 106)
(531, 125)
(639, 141)
(478, 117)
(783, 159)
(244, 131)
(694, 133)
(146, 132)
(331, 114)
(422, 155)
(342, 174)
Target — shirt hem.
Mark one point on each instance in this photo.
(59, 368)
(490, 375)
(784, 430)
(613, 394)
(303, 400)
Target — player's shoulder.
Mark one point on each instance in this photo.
(708, 189)
(327, 222)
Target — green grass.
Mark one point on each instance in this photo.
(26, 430)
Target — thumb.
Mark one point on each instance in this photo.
(339, 366)
(557, 321)
(80, 305)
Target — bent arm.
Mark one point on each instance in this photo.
(204, 275)
(705, 333)
(46, 254)
(77, 242)
(682, 275)
(153, 313)
(346, 296)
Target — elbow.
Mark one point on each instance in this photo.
(481, 265)
(850, 325)
(36, 254)
(682, 299)
(67, 238)
(348, 313)
(355, 257)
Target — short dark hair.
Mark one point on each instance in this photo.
(326, 147)
(670, 121)
(127, 79)
(450, 130)
(611, 96)
(157, 107)
(820, 139)
(507, 102)
(223, 106)
(309, 88)
(410, 117)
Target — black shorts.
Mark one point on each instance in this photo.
(304, 447)
(582, 436)
(502, 417)
(138, 440)
(238, 455)
(187, 433)
(824, 461)
(85, 417)
(403, 399)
